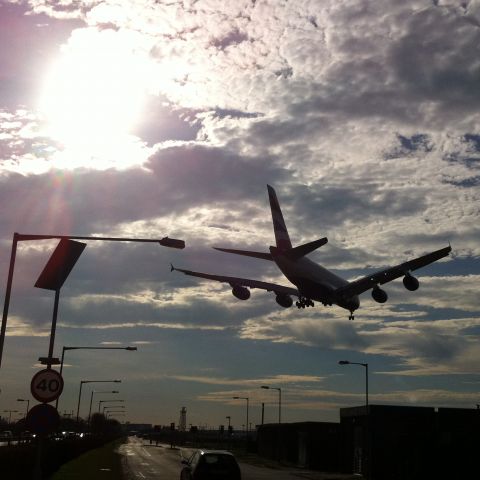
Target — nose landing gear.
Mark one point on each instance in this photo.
(352, 316)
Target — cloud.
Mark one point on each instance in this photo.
(276, 380)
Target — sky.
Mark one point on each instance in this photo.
(150, 119)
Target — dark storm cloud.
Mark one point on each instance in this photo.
(331, 206)
(174, 180)
(394, 70)
(437, 66)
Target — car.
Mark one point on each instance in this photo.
(211, 465)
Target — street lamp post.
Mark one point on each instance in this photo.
(266, 387)
(64, 349)
(247, 399)
(91, 400)
(347, 362)
(91, 381)
(118, 409)
(111, 408)
(366, 455)
(116, 413)
(166, 242)
(107, 406)
(28, 404)
(228, 417)
(10, 415)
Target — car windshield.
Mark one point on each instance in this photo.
(217, 462)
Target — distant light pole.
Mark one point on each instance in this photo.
(266, 387)
(347, 362)
(64, 349)
(247, 399)
(91, 381)
(165, 241)
(117, 409)
(10, 415)
(116, 413)
(106, 406)
(91, 400)
(28, 404)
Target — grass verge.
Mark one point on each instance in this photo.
(102, 463)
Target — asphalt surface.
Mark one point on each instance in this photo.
(143, 461)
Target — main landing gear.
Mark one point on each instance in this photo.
(352, 316)
(304, 302)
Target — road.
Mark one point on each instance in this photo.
(142, 461)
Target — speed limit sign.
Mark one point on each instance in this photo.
(46, 385)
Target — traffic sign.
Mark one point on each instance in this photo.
(42, 419)
(46, 385)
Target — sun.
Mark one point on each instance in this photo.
(92, 97)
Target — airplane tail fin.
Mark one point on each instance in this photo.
(281, 233)
(284, 245)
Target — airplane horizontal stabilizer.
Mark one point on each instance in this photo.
(302, 250)
(247, 253)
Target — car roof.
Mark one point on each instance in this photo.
(215, 452)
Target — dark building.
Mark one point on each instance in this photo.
(313, 445)
(383, 442)
(410, 443)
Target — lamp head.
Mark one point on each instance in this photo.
(265, 387)
(131, 349)
(343, 362)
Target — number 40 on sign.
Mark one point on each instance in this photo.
(46, 385)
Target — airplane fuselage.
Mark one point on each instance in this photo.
(314, 281)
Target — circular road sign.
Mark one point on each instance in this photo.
(42, 419)
(46, 385)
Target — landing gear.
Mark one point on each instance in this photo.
(352, 316)
(304, 302)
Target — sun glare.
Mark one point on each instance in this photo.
(93, 96)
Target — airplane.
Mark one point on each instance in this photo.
(313, 281)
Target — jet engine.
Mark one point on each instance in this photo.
(410, 283)
(242, 293)
(379, 295)
(284, 300)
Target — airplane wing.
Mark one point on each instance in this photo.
(242, 282)
(379, 278)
